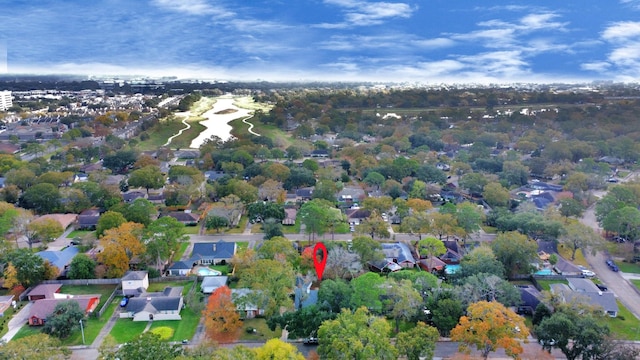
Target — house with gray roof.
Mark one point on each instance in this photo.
(208, 253)
(179, 268)
(164, 305)
(585, 291)
(60, 259)
(399, 253)
(247, 303)
(209, 284)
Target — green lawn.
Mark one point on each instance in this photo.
(636, 283)
(224, 269)
(628, 267)
(126, 330)
(565, 252)
(545, 283)
(193, 230)
(79, 233)
(184, 140)
(242, 244)
(240, 228)
(262, 333)
(178, 254)
(156, 287)
(159, 134)
(104, 291)
(182, 329)
(625, 326)
(291, 229)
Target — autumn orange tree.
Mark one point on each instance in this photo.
(221, 320)
(120, 245)
(489, 326)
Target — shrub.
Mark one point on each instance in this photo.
(164, 332)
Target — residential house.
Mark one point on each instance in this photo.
(209, 284)
(165, 305)
(304, 194)
(185, 217)
(246, 303)
(208, 253)
(133, 196)
(179, 268)
(156, 198)
(212, 176)
(304, 296)
(351, 195)
(564, 267)
(88, 219)
(431, 264)
(399, 253)
(135, 282)
(43, 291)
(60, 258)
(454, 252)
(42, 309)
(80, 177)
(357, 215)
(584, 290)
(384, 266)
(2, 181)
(289, 216)
(65, 220)
(530, 298)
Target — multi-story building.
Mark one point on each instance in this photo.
(5, 100)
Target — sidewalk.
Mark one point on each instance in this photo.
(106, 329)
(17, 322)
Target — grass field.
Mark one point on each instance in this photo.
(178, 254)
(126, 330)
(160, 133)
(104, 291)
(628, 267)
(625, 326)
(565, 252)
(79, 233)
(224, 269)
(156, 287)
(636, 283)
(544, 284)
(183, 329)
(262, 330)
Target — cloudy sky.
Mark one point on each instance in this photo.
(428, 41)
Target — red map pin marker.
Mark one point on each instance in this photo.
(319, 264)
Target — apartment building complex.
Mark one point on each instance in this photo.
(5, 100)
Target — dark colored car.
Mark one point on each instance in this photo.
(602, 287)
(124, 301)
(310, 341)
(614, 267)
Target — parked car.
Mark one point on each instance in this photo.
(602, 287)
(588, 273)
(310, 341)
(612, 265)
(124, 301)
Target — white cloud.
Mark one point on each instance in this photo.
(364, 13)
(598, 66)
(194, 7)
(622, 31)
(433, 43)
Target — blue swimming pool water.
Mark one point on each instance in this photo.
(451, 269)
(545, 272)
(208, 272)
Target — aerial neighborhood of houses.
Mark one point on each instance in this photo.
(121, 223)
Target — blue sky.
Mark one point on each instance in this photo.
(427, 41)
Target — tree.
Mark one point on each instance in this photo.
(367, 291)
(445, 311)
(221, 320)
(417, 223)
(272, 228)
(146, 346)
(264, 210)
(216, 222)
(334, 295)
(468, 217)
(374, 178)
(314, 215)
(34, 347)
(418, 343)
(44, 230)
(580, 236)
(272, 282)
(302, 323)
(340, 264)
(109, 220)
(374, 225)
(29, 267)
(443, 224)
(139, 211)
(64, 320)
(419, 205)
(42, 198)
(480, 260)
(358, 335)
(430, 247)
(571, 207)
(473, 182)
(515, 251)
(120, 245)
(624, 221)
(82, 267)
(378, 205)
(578, 335)
(120, 161)
(368, 250)
(495, 194)
(278, 349)
(488, 287)
(489, 326)
(278, 248)
(403, 300)
(149, 177)
(162, 238)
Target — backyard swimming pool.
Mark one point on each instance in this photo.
(451, 269)
(545, 272)
(208, 272)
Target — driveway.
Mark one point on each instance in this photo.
(17, 321)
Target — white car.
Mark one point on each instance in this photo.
(588, 273)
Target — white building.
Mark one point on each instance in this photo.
(5, 100)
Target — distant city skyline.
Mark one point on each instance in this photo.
(422, 41)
